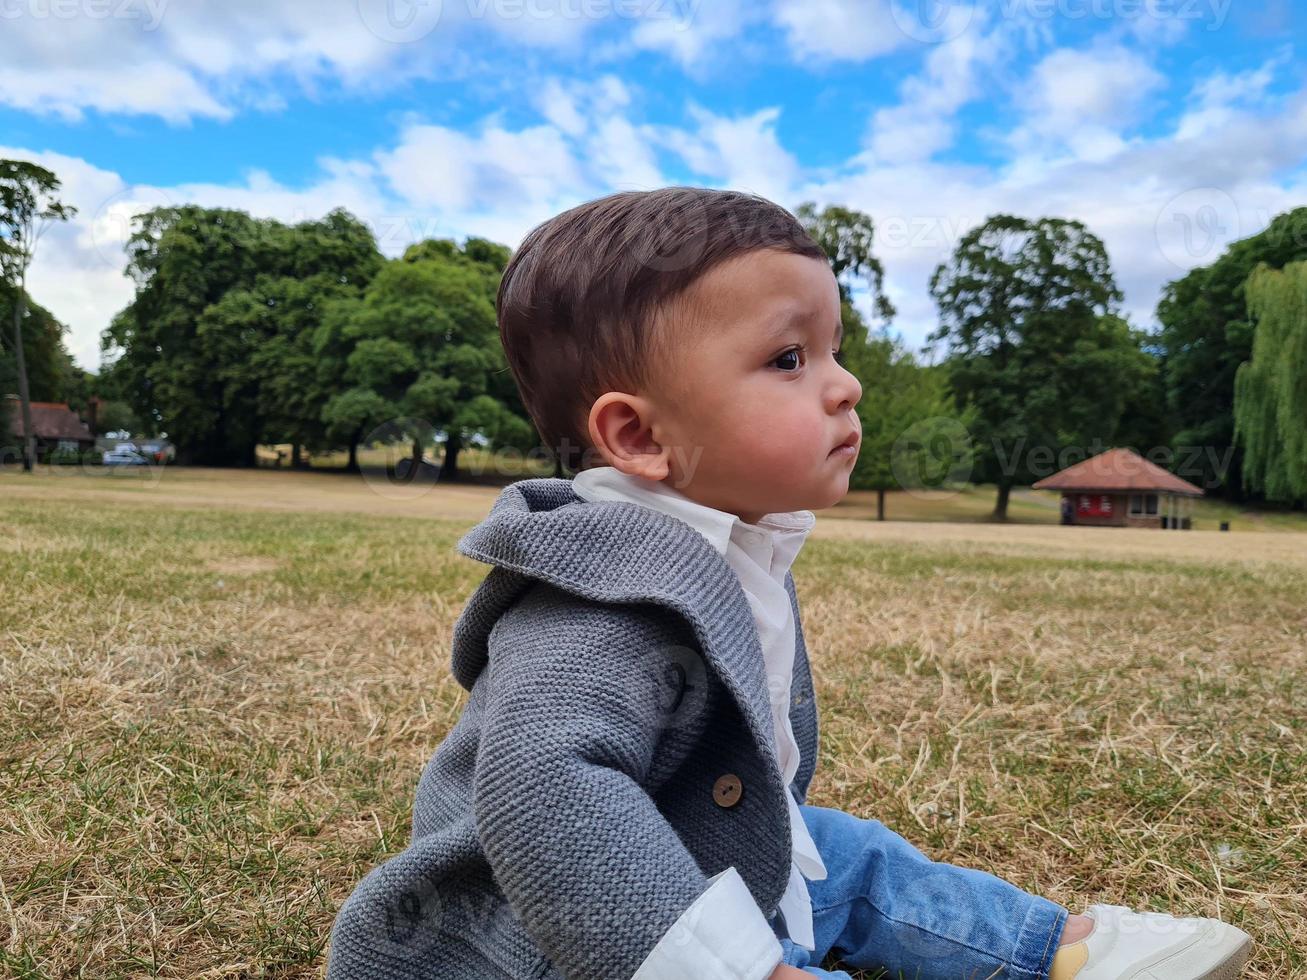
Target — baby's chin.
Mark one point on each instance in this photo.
(815, 500)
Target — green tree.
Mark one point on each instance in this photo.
(52, 374)
(1147, 421)
(1027, 318)
(1206, 335)
(1270, 401)
(28, 207)
(422, 344)
(321, 261)
(216, 345)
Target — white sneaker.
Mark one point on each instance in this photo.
(1126, 945)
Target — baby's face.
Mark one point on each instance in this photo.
(751, 400)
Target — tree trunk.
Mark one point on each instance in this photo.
(1000, 506)
(880, 503)
(449, 465)
(417, 456)
(353, 465)
(24, 395)
(296, 456)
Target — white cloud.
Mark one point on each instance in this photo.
(623, 154)
(1101, 87)
(442, 168)
(559, 106)
(157, 89)
(743, 152)
(849, 30)
(1079, 105)
(922, 123)
(573, 106)
(210, 59)
(694, 34)
(1214, 98)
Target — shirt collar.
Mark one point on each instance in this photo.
(773, 542)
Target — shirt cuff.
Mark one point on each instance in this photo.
(723, 935)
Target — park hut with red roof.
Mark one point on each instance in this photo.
(56, 426)
(1119, 488)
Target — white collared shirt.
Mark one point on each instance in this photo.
(761, 554)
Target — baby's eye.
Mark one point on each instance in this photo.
(795, 353)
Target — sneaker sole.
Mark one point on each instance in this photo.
(1230, 943)
(1232, 965)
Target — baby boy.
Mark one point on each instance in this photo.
(624, 794)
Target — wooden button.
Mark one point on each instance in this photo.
(727, 790)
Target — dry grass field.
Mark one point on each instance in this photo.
(217, 691)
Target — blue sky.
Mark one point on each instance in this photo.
(1170, 127)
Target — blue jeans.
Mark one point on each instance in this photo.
(885, 906)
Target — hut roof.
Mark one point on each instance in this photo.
(1121, 470)
(50, 420)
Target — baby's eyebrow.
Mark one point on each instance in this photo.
(783, 325)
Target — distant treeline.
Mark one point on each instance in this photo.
(247, 331)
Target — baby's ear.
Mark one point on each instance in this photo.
(621, 433)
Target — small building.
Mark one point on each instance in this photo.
(56, 426)
(1119, 488)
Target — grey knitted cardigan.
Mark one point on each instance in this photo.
(568, 819)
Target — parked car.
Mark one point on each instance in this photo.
(123, 457)
(156, 452)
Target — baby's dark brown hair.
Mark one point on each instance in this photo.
(581, 303)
